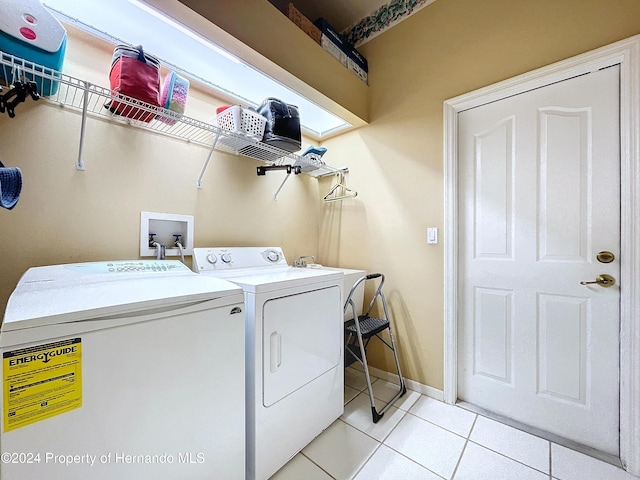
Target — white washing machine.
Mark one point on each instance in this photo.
(124, 370)
(294, 356)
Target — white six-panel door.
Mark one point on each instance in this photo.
(539, 198)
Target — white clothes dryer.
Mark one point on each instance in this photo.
(124, 370)
(294, 350)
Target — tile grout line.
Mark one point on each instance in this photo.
(372, 453)
(441, 427)
(365, 463)
(376, 380)
(311, 460)
(340, 419)
(371, 437)
(466, 442)
(543, 435)
(478, 415)
(407, 412)
(380, 443)
(381, 400)
(509, 458)
(467, 438)
(346, 423)
(413, 461)
(550, 461)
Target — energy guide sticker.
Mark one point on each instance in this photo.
(41, 381)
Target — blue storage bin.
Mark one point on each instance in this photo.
(31, 33)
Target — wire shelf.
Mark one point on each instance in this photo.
(93, 100)
(64, 90)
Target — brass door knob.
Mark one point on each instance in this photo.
(603, 280)
(605, 257)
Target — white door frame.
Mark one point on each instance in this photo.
(626, 53)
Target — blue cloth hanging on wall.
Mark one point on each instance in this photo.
(10, 186)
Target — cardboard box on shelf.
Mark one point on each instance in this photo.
(357, 68)
(358, 64)
(304, 23)
(334, 43)
(338, 46)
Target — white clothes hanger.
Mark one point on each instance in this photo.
(345, 192)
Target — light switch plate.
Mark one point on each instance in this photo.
(432, 235)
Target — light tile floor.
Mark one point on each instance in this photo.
(420, 438)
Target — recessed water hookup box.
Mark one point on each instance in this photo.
(165, 226)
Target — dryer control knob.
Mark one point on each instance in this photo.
(211, 258)
(273, 256)
(225, 257)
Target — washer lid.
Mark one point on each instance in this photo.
(75, 292)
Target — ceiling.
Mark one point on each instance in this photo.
(341, 14)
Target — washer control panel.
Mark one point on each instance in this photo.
(271, 255)
(133, 266)
(229, 258)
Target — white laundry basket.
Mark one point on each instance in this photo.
(241, 120)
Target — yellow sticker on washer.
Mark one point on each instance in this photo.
(41, 381)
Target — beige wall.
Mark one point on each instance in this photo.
(396, 163)
(446, 49)
(65, 215)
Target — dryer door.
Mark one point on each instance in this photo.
(302, 339)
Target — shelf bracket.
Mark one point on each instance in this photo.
(206, 163)
(275, 195)
(83, 125)
(289, 168)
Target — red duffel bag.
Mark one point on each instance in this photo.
(137, 75)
